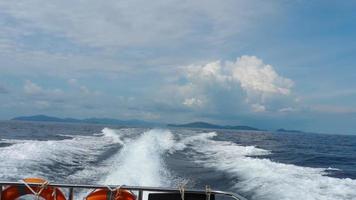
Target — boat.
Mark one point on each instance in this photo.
(42, 189)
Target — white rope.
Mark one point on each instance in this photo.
(54, 193)
(37, 194)
(113, 190)
(207, 192)
(182, 189)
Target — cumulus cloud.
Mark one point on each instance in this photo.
(255, 76)
(72, 81)
(210, 73)
(193, 102)
(82, 88)
(287, 109)
(258, 108)
(32, 89)
(247, 79)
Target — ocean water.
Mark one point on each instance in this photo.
(257, 165)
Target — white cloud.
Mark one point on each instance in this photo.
(31, 88)
(210, 73)
(72, 81)
(258, 108)
(255, 76)
(138, 22)
(193, 102)
(287, 110)
(82, 88)
(63, 37)
(247, 79)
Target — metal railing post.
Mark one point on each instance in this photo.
(0, 192)
(140, 194)
(71, 193)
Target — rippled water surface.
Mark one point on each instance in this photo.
(258, 165)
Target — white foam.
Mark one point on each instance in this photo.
(29, 158)
(107, 132)
(265, 179)
(182, 144)
(140, 162)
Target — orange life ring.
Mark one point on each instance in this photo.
(13, 192)
(105, 194)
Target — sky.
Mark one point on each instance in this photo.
(269, 64)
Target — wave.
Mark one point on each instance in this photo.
(140, 161)
(107, 132)
(53, 159)
(184, 141)
(265, 179)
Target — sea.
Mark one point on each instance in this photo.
(259, 165)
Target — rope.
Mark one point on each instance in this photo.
(54, 193)
(117, 189)
(118, 193)
(208, 192)
(182, 189)
(37, 194)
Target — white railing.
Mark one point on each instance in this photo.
(72, 188)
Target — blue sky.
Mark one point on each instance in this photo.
(268, 64)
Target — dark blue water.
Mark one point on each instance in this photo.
(303, 149)
(258, 165)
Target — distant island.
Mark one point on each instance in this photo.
(212, 126)
(134, 122)
(141, 123)
(289, 131)
(45, 118)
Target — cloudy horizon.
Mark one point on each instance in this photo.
(269, 64)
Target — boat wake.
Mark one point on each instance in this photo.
(140, 161)
(53, 159)
(265, 179)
